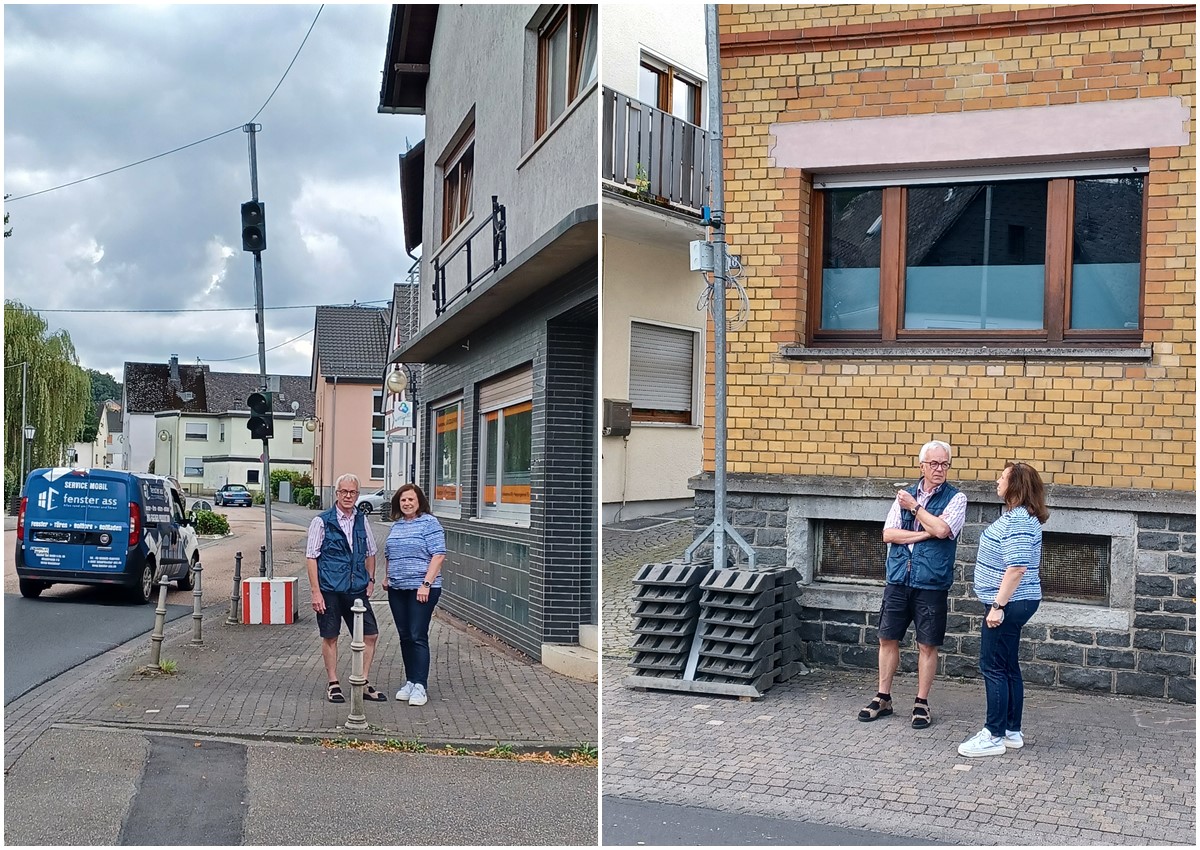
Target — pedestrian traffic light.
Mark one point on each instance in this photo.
(261, 422)
(254, 226)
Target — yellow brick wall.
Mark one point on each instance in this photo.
(1101, 424)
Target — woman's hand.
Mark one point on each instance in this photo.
(994, 618)
(422, 594)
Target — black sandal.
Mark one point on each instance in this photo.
(333, 693)
(372, 695)
(920, 716)
(875, 709)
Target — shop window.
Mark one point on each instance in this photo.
(506, 445)
(444, 460)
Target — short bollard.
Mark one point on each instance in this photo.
(262, 561)
(197, 640)
(357, 719)
(160, 623)
(235, 601)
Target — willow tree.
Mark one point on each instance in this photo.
(56, 396)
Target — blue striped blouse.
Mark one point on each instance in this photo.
(1014, 540)
(410, 546)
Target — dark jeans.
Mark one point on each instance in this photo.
(1001, 671)
(412, 622)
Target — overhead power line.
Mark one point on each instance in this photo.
(181, 147)
(200, 309)
(254, 354)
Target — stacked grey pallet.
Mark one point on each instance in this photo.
(749, 628)
(668, 605)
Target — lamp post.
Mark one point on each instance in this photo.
(313, 426)
(30, 435)
(398, 381)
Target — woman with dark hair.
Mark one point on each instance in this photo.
(414, 552)
(1008, 583)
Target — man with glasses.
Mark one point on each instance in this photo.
(921, 531)
(341, 568)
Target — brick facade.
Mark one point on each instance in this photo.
(1107, 427)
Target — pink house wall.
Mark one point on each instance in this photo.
(343, 443)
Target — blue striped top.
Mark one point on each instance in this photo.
(1014, 540)
(410, 546)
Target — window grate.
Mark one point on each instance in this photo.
(851, 549)
(1075, 568)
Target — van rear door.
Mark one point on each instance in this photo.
(75, 520)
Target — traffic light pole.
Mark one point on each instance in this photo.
(251, 129)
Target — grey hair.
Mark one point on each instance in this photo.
(935, 444)
(349, 476)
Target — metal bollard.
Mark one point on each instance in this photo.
(160, 623)
(235, 601)
(357, 719)
(197, 640)
(262, 561)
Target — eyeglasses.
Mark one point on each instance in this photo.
(347, 492)
(937, 464)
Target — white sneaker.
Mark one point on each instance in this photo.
(1013, 740)
(419, 697)
(405, 692)
(982, 744)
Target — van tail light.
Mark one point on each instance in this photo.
(21, 518)
(135, 524)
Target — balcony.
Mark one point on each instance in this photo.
(653, 156)
(466, 269)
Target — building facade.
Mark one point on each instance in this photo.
(973, 224)
(653, 170)
(501, 197)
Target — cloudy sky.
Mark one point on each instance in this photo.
(88, 89)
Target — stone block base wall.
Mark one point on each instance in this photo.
(1142, 642)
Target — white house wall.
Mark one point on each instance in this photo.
(652, 283)
(672, 32)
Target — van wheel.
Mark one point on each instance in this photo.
(187, 581)
(143, 591)
(31, 588)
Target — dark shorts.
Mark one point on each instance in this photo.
(337, 611)
(925, 609)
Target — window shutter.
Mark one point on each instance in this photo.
(660, 367)
(503, 391)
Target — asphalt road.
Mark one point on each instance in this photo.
(634, 822)
(50, 635)
(129, 787)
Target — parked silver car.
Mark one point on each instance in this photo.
(379, 501)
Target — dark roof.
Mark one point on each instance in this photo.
(113, 416)
(406, 59)
(150, 389)
(351, 342)
(412, 192)
(229, 391)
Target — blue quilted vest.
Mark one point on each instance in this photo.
(930, 564)
(339, 568)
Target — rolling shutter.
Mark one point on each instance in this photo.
(660, 367)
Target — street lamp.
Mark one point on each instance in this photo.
(30, 434)
(398, 381)
(165, 436)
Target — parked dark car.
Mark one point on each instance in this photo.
(234, 494)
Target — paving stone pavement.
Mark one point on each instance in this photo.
(1096, 769)
(269, 681)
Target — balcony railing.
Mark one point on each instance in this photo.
(657, 156)
(464, 266)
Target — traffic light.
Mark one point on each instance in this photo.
(261, 422)
(254, 226)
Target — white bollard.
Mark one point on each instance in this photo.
(357, 719)
(197, 640)
(160, 623)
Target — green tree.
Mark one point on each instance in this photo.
(104, 387)
(57, 396)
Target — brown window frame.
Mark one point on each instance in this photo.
(578, 17)
(1057, 293)
(459, 171)
(666, 75)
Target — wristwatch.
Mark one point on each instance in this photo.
(996, 607)
(426, 584)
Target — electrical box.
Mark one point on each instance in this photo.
(701, 255)
(618, 414)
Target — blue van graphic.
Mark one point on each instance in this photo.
(103, 526)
